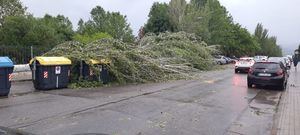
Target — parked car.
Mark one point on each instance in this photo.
(260, 58)
(290, 57)
(221, 60)
(244, 64)
(278, 59)
(288, 62)
(268, 73)
(230, 61)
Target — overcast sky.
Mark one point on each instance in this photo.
(281, 17)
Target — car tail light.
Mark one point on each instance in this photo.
(280, 72)
(250, 71)
(237, 63)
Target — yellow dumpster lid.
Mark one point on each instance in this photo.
(94, 62)
(48, 61)
(102, 61)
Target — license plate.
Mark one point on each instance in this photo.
(264, 74)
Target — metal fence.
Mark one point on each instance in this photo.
(22, 54)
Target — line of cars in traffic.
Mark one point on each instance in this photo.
(265, 71)
(222, 60)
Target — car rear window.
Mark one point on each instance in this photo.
(245, 60)
(270, 66)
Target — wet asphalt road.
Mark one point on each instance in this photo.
(218, 103)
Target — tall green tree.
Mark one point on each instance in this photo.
(240, 42)
(176, 11)
(61, 24)
(10, 8)
(199, 3)
(30, 31)
(196, 20)
(268, 44)
(112, 23)
(220, 23)
(26, 30)
(159, 19)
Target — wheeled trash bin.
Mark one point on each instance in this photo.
(6, 70)
(85, 70)
(50, 72)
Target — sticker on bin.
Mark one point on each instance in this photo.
(10, 77)
(91, 72)
(45, 74)
(57, 70)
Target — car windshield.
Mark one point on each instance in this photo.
(270, 66)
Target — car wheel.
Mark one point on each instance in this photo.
(219, 63)
(249, 84)
(283, 86)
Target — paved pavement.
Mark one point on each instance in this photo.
(217, 103)
(289, 110)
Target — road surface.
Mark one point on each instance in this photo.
(218, 103)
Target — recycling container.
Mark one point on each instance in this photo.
(50, 72)
(6, 70)
(87, 73)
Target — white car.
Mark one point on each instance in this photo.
(288, 62)
(220, 60)
(260, 58)
(244, 64)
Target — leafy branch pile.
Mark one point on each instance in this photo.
(162, 57)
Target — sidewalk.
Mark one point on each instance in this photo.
(22, 76)
(289, 109)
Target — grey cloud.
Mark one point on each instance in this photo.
(281, 17)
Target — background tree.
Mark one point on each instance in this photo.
(159, 19)
(10, 8)
(176, 11)
(268, 44)
(62, 26)
(112, 23)
(196, 20)
(199, 3)
(29, 31)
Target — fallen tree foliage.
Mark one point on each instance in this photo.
(167, 56)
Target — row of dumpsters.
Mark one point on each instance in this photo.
(50, 73)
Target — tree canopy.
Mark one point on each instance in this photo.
(28, 30)
(159, 19)
(268, 44)
(211, 21)
(10, 8)
(112, 23)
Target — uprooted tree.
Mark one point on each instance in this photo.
(155, 58)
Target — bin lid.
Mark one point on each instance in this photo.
(50, 61)
(94, 62)
(102, 61)
(6, 62)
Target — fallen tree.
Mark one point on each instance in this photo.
(167, 56)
